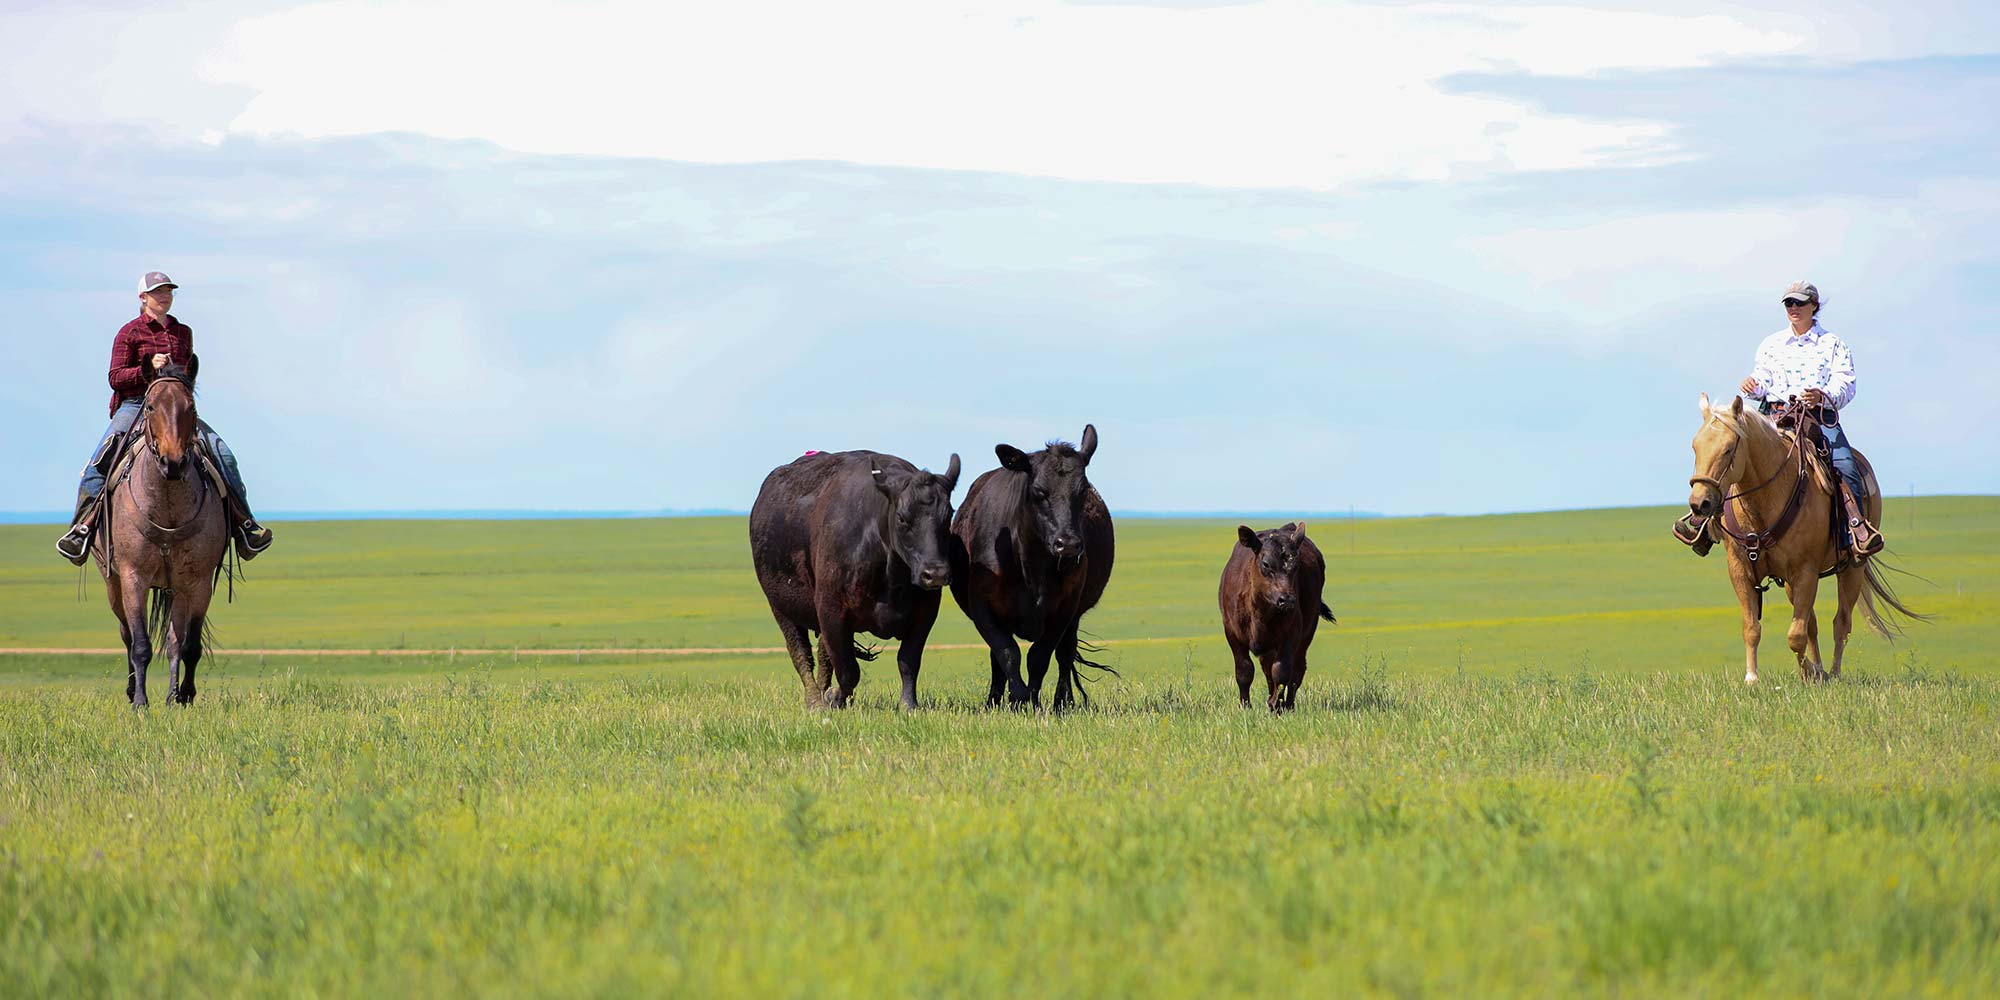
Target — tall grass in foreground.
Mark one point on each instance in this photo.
(702, 835)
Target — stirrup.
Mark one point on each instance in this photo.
(1692, 532)
(74, 545)
(251, 538)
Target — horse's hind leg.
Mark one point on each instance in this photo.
(189, 634)
(1799, 636)
(1850, 583)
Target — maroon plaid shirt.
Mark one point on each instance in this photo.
(133, 349)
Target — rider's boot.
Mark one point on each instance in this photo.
(1862, 539)
(251, 537)
(75, 543)
(1692, 531)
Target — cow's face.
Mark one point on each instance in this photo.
(920, 520)
(1055, 490)
(1277, 557)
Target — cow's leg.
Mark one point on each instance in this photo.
(1752, 603)
(797, 644)
(837, 648)
(1067, 683)
(1799, 635)
(1039, 652)
(1005, 655)
(1295, 675)
(910, 655)
(138, 642)
(1274, 678)
(1246, 671)
(1848, 591)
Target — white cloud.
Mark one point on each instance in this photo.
(1283, 93)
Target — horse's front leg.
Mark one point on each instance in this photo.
(187, 647)
(1800, 635)
(138, 642)
(1752, 602)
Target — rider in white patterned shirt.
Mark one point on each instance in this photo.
(1806, 362)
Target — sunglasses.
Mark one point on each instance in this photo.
(1789, 304)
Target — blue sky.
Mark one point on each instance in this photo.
(1408, 258)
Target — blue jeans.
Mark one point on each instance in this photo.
(122, 420)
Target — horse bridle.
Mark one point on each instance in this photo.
(1754, 542)
(201, 487)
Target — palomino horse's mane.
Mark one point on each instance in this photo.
(1753, 424)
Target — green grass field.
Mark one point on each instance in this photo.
(1523, 763)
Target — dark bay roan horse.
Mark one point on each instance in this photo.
(1271, 607)
(164, 535)
(1032, 552)
(852, 542)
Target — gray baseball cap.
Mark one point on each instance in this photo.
(155, 279)
(1802, 291)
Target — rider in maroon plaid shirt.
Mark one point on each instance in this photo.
(145, 345)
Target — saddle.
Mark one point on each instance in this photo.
(1803, 426)
(116, 457)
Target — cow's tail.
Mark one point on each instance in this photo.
(1326, 613)
(1877, 589)
(866, 654)
(1082, 660)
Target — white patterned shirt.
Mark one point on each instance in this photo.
(1787, 366)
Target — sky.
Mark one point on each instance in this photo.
(1395, 257)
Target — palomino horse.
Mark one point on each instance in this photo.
(1782, 504)
(164, 534)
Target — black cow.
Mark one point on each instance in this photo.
(847, 542)
(1031, 552)
(1271, 606)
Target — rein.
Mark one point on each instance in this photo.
(1754, 542)
(201, 486)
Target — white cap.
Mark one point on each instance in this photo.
(155, 279)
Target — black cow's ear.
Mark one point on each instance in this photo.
(1299, 529)
(951, 475)
(1012, 458)
(1248, 538)
(881, 478)
(1089, 445)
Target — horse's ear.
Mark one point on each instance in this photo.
(1088, 447)
(951, 474)
(1248, 538)
(1012, 458)
(1299, 529)
(1705, 406)
(1736, 407)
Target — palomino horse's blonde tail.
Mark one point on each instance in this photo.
(1878, 589)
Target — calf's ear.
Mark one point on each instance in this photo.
(1012, 458)
(1248, 538)
(1088, 446)
(951, 474)
(880, 477)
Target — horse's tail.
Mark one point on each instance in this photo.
(1081, 660)
(159, 615)
(1878, 589)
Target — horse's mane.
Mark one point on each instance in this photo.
(179, 373)
(1754, 422)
